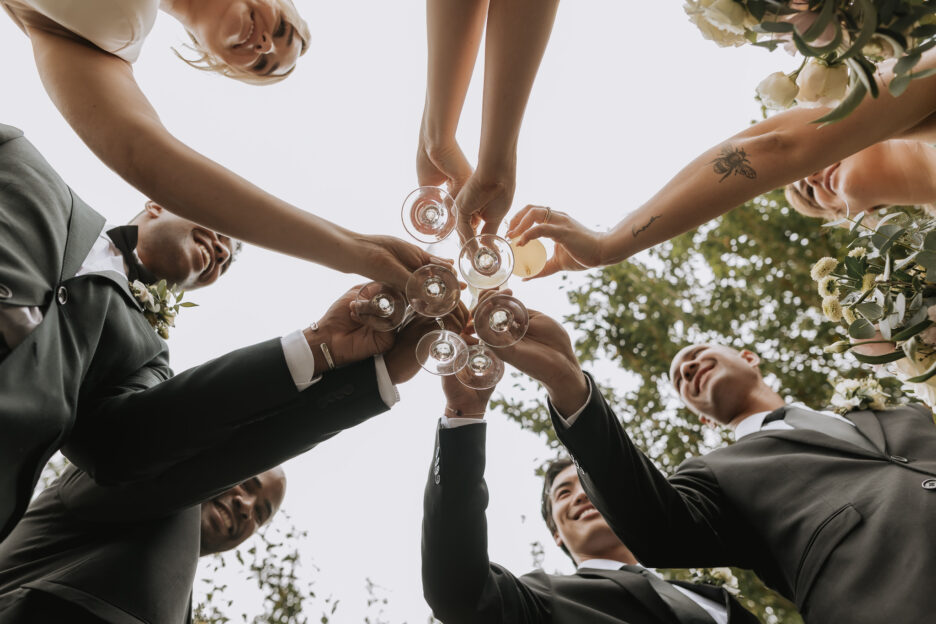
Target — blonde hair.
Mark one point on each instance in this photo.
(803, 204)
(207, 61)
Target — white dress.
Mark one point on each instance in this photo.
(115, 26)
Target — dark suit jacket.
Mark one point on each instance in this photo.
(845, 533)
(93, 378)
(462, 586)
(128, 553)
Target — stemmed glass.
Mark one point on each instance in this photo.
(486, 261)
(429, 214)
(432, 290)
(501, 320)
(483, 370)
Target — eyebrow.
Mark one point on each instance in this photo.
(558, 486)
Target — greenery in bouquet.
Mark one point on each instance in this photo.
(883, 292)
(160, 303)
(842, 43)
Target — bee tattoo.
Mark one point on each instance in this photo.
(733, 161)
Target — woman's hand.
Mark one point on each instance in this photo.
(441, 163)
(577, 247)
(388, 259)
(486, 197)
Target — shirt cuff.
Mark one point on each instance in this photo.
(453, 423)
(388, 391)
(568, 422)
(299, 359)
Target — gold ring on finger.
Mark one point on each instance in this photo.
(548, 213)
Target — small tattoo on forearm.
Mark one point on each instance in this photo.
(635, 230)
(733, 160)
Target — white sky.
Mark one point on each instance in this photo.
(627, 94)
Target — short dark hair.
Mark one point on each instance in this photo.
(552, 470)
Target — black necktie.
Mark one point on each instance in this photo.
(125, 239)
(833, 427)
(686, 609)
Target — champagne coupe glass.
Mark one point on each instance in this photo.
(483, 370)
(429, 214)
(381, 306)
(433, 291)
(529, 259)
(486, 261)
(501, 320)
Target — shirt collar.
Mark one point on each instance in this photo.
(754, 422)
(603, 564)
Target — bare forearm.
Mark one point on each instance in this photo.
(768, 155)
(517, 34)
(453, 38)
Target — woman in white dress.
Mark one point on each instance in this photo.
(84, 50)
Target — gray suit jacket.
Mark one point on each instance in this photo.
(845, 533)
(463, 587)
(93, 378)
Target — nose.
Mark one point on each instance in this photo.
(241, 504)
(688, 369)
(265, 44)
(222, 251)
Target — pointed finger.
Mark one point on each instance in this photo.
(549, 230)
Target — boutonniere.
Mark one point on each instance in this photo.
(857, 394)
(160, 304)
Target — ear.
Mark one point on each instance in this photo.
(751, 358)
(153, 209)
(558, 539)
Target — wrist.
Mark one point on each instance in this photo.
(316, 336)
(501, 163)
(454, 410)
(571, 394)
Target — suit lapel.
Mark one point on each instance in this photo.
(120, 281)
(869, 425)
(84, 226)
(635, 585)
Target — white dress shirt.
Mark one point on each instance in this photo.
(718, 611)
(755, 422)
(19, 321)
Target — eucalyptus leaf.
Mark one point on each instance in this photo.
(900, 217)
(857, 222)
(849, 104)
(861, 330)
(836, 223)
(909, 260)
(906, 334)
(900, 306)
(870, 311)
(927, 260)
(925, 376)
(879, 359)
(884, 326)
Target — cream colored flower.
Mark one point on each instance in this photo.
(842, 345)
(721, 21)
(828, 287)
(832, 309)
(849, 315)
(777, 91)
(928, 336)
(868, 281)
(823, 268)
(821, 85)
(906, 368)
(857, 252)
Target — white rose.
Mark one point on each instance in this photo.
(821, 85)
(777, 91)
(926, 392)
(721, 21)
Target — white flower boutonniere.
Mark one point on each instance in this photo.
(856, 394)
(160, 304)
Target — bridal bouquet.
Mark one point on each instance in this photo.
(842, 42)
(883, 292)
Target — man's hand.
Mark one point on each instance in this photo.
(486, 196)
(546, 355)
(462, 401)
(401, 361)
(347, 339)
(577, 247)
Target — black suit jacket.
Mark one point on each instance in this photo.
(128, 553)
(462, 586)
(845, 533)
(93, 378)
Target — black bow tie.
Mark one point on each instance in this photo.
(125, 239)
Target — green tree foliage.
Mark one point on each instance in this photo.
(742, 280)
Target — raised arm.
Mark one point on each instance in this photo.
(98, 96)
(453, 38)
(765, 156)
(679, 522)
(517, 34)
(459, 582)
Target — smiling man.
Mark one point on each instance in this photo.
(84, 554)
(833, 512)
(609, 586)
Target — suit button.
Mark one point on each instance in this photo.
(438, 479)
(929, 484)
(899, 459)
(5, 292)
(62, 295)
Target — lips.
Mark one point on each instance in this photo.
(205, 252)
(585, 512)
(701, 373)
(247, 32)
(226, 518)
